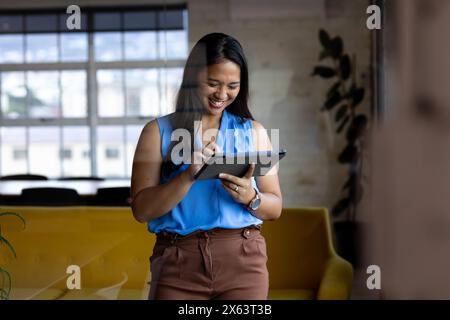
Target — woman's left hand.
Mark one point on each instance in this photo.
(240, 189)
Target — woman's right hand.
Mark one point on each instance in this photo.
(200, 157)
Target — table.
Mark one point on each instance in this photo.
(84, 188)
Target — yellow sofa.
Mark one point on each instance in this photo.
(112, 251)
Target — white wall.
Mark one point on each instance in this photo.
(281, 45)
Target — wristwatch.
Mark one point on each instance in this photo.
(255, 202)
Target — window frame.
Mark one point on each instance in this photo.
(90, 66)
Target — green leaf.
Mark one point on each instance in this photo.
(324, 54)
(13, 214)
(345, 67)
(332, 101)
(350, 181)
(357, 128)
(350, 92)
(9, 281)
(348, 155)
(333, 89)
(324, 39)
(340, 206)
(5, 272)
(360, 121)
(342, 111)
(336, 47)
(8, 245)
(324, 72)
(343, 123)
(3, 277)
(3, 294)
(357, 96)
(352, 134)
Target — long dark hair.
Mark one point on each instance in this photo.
(211, 49)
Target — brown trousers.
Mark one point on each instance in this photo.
(227, 264)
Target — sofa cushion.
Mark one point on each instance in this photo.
(94, 294)
(291, 294)
(35, 294)
(112, 250)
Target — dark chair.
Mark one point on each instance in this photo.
(117, 196)
(50, 197)
(81, 179)
(24, 177)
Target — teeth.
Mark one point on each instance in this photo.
(217, 103)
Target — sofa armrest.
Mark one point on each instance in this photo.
(336, 282)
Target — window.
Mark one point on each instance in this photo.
(19, 154)
(81, 97)
(66, 154)
(13, 138)
(112, 153)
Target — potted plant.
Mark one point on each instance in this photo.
(5, 277)
(344, 98)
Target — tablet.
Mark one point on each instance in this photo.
(237, 164)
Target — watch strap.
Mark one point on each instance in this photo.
(256, 197)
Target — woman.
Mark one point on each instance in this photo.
(208, 243)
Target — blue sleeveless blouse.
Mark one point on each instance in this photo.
(207, 205)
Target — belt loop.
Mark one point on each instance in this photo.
(173, 240)
(203, 234)
(246, 233)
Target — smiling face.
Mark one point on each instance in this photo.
(219, 85)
